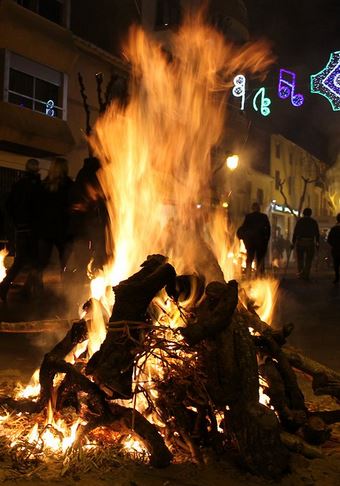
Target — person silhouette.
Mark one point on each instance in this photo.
(22, 206)
(255, 232)
(306, 238)
(334, 241)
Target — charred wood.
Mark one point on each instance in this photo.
(290, 419)
(128, 421)
(325, 380)
(315, 431)
(255, 427)
(215, 313)
(297, 444)
(112, 365)
(76, 335)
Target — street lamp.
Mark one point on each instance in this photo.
(232, 162)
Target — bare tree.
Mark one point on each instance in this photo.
(306, 181)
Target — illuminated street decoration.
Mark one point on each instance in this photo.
(49, 108)
(239, 89)
(264, 104)
(327, 81)
(286, 87)
(281, 208)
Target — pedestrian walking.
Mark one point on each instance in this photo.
(334, 241)
(54, 216)
(255, 232)
(21, 206)
(306, 238)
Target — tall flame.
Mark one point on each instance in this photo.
(334, 201)
(155, 152)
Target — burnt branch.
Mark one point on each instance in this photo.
(85, 104)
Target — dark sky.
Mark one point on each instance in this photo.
(303, 34)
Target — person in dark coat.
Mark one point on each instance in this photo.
(21, 206)
(306, 238)
(89, 217)
(255, 232)
(54, 215)
(334, 240)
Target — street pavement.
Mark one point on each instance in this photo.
(313, 307)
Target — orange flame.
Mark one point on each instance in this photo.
(155, 152)
(3, 271)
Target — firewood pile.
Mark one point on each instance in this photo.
(203, 392)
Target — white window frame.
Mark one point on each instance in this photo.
(37, 71)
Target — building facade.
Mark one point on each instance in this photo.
(282, 177)
(299, 182)
(42, 112)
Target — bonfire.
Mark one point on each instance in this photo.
(171, 355)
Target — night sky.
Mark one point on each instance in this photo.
(303, 34)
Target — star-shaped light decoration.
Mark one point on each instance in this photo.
(327, 81)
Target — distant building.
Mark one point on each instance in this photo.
(268, 162)
(293, 165)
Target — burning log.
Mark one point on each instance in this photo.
(48, 369)
(233, 379)
(35, 326)
(215, 314)
(112, 365)
(255, 426)
(127, 421)
(291, 419)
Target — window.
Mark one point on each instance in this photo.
(167, 14)
(50, 9)
(259, 196)
(277, 151)
(34, 86)
(277, 179)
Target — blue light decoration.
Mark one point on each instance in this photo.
(239, 89)
(286, 87)
(49, 108)
(327, 82)
(265, 102)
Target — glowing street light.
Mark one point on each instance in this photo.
(232, 162)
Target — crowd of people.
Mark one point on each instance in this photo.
(255, 231)
(59, 213)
